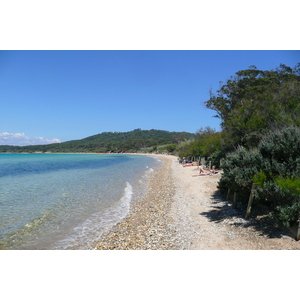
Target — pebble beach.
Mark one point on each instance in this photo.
(147, 224)
(182, 211)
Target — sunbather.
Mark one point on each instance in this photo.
(203, 172)
(213, 170)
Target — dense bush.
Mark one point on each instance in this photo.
(281, 149)
(216, 158)
(206, 144)
(283, 195)
(287, 214)
(239, 168)
(275, 169)
(183, 149)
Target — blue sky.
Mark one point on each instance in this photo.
(50, 96)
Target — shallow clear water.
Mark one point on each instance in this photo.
(66, 201)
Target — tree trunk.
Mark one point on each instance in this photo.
(250, 202)
(298, 231)
(234, 200)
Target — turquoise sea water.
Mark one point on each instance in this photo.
(66, 201)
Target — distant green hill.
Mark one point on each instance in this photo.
(118, 142)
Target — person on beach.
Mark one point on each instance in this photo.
(203, 172)
(213, 170)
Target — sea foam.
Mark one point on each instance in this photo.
(86, 235)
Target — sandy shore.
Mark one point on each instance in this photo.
(184, 212)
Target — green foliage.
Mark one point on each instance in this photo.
(216, 158)
(289, 184)
(210, 144)
(287, 214)
(205, 144)
(283, 197)
(170, 148)
(260, 178)
(184, 148)
(255, 101)
(239, 169)
(281, 149)
(274, 167)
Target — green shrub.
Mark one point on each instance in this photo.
(239, 168)
(275, 169)
(260, 178)
(281, 151)
(288, 198)
(290, 184)
(287, 214)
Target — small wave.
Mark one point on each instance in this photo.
(89, 232)
(150, 170)
(126, 199)
(158, 159)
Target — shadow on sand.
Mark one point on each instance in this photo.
(259, 220)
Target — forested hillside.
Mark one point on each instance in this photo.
(117, 142)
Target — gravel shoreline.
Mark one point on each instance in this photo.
(147, 224)
(181, 212)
